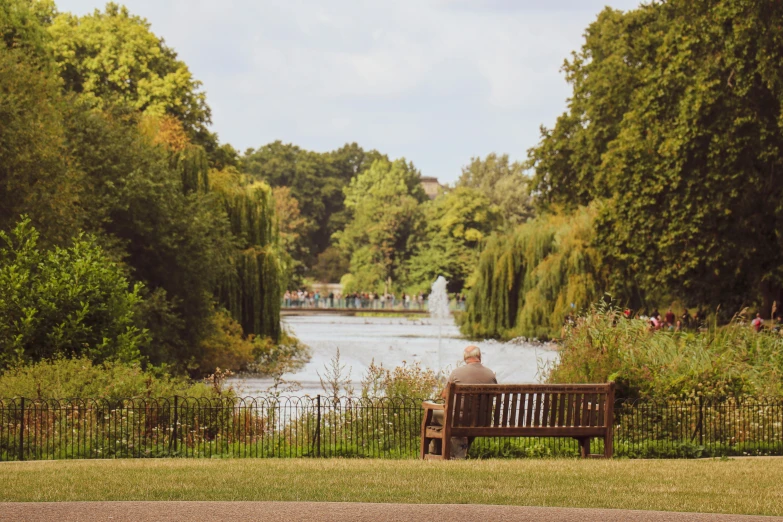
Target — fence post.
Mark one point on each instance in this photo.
(21, 430)
(701, 420)
(318, 427)
(176, 421)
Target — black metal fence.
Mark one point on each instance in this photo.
(349, 427)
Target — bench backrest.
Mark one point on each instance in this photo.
(529, 405)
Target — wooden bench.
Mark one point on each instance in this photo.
(579, 411)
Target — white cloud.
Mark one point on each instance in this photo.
(436, 81)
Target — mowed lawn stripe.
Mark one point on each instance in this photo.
(741, 486)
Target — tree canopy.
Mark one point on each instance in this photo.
(673, 136)
(112, 56)
(457, 222)
(316, 182)
(384, 204)
(504, 183)
(116, 147)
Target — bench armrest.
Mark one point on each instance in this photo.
(427, 405)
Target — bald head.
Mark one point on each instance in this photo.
(471, 353)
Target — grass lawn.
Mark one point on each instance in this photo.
(742, 486)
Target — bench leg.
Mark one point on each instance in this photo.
(425, 421)
(584, 448)
(608, 444)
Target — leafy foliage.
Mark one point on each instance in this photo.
(384, 202)
(674, 122)
(504, 183)
(731, 360)
(35, 179)
(23, 27)
(529, 281)
(457, 223)
(293, 227)
(252, 291)
(175, 240)
(81, 377)
(113, 56)
(64, 302)
(401, 382)
(316, 181)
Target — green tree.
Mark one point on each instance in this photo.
(316, 181)
(457, 222)
(311, 180)
(504, 183)
(113, 57)
(23, 26)
(173, 242)
(331, 266)
(384, 202)
(674, 123)
(604, 74)
(72, 301)
(35, 176)
(694, 173)
(293, 229)
(252, 292)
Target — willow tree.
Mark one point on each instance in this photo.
(527, 282)
(252, 292)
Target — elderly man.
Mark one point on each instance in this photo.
(472, 372)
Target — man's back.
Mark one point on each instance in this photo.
(473, 373)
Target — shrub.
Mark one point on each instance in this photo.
(64, 302)
(404, 381)
(731, 360)
(80, 377)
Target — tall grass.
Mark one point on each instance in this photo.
(730, 360)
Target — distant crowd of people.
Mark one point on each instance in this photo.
(686, 321)
(669, 321)
(369, 300)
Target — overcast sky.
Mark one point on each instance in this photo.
(435, 81)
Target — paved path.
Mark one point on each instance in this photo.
(333, 511)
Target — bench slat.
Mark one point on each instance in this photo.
(561, 409)
(586, 410)
(527, 432)
(600, 410)
(532, 388)
(506, 400)
(484, 411)
(514, 400)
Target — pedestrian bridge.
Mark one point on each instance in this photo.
(290, 311)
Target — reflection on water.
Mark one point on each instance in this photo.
(391, 341)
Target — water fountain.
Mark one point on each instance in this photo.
(439, 309)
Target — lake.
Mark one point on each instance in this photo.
(392, 341)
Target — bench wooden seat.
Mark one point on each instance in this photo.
(579, 411)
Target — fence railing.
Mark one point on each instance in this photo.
(41, 429)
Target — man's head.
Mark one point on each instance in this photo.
(472, 354)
